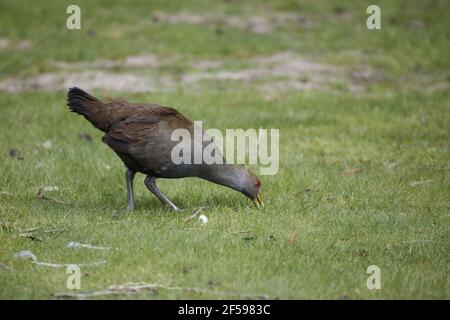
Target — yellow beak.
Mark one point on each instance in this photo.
(259, 202)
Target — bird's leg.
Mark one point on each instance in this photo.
(150, 183)
(130, 177)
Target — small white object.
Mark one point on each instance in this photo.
(47, 144)
(50, 188)
(108, 167)
(203, 219)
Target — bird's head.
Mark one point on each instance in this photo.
(251, 187)
(235, 177)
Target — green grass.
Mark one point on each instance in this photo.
(347, 161)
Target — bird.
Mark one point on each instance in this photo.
(140, 135)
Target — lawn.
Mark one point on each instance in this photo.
(364, 149)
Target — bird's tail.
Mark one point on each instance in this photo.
(88, 106)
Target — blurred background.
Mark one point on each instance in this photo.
(275, 46)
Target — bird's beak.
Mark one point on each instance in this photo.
(259, 202)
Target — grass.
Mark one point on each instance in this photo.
(364, 178)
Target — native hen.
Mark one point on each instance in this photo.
(140, 134)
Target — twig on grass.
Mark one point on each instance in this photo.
(417, 183)
(107, 222)
(136, 288)
(30, 237)
(65, 265)
(4, 267)
(28, 255)
(31, 231)
(77, 245)
(41, 195)
(36, 230)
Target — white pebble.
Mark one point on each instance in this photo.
(203, 218)
(47, 144)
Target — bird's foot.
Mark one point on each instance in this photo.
(172, 207)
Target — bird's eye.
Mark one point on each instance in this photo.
(257, 184)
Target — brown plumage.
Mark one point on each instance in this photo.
(140, 134)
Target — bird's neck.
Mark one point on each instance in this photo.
(224, 174)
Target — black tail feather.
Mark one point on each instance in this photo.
(79, 101)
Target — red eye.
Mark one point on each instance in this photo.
(257, 184)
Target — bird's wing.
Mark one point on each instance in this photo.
(142, 124)
(144, 136)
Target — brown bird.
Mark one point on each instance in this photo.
(140, 134)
